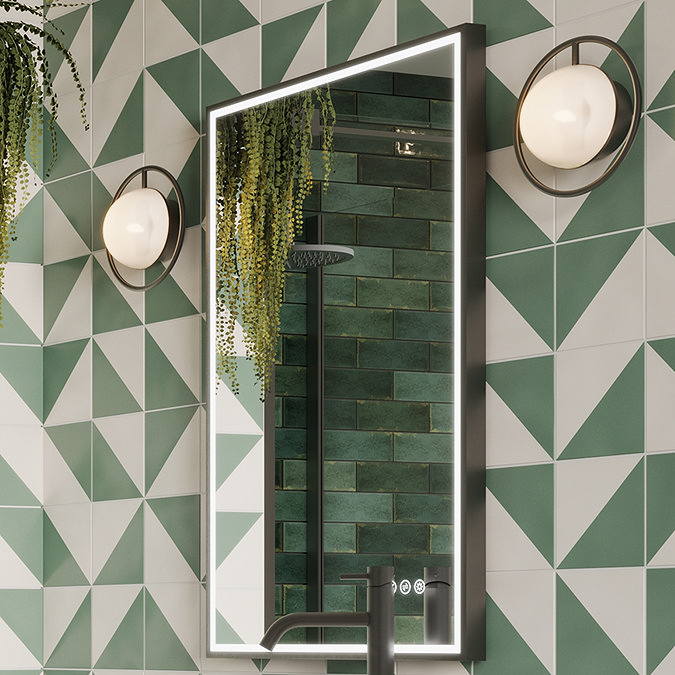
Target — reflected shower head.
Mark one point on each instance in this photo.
(305, 256)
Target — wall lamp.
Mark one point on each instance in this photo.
(575, 115)
(142, 227)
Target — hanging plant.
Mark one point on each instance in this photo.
(26, 84)
(262, 178)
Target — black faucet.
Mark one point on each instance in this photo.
(379, 619)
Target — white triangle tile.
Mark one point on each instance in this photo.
(508, 441)
(15, 654)
(254, 7)
(583, 377)
(601, 323)
(187, 270)
(60, 606)
(660, 271)
(509, 336)
(73, 523)
(125, 349)
(80, 48)
(109, 606)
(134, 299)
(539, 207)
(231, 416)
(165, 35)
(13, 409)
(247, 625)
(163, 561)
(21, 447)
(23, 289)
(545, 8)
(311, 54)
(243, 490)
(14, 572)
(508, 547)
(173, 158)
(111, 175)
(527, 601)
(110, 520)
(665, 556)
(659, 397)
(180, 473)
(659, 48)
(667, 666)
(615, 599)
(238, 58)
(74, 319)
(234, 666)
(61, 486)
(380, 32)
(590, 17)
(124, 434)
(273, 9)
(451, 13)
(74, 402)
(583, 488)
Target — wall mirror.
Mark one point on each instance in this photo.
(371, 449)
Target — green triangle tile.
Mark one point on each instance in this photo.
(180, 518)
(101, 201)
(281, 40)
(633, 41)
(61, 568)
(582, 269)
(74, 648)
(68, 159)
(13, 490)
(616, 537)
(509, 227)
(526, 492)
(660, 504)
(22, 366)
(616, 425)
(665, 234)
(249, 386)
(230, 450)
(183, 90)
(501, 110)
(59, 362)
(110, 310)
(615, 205)
(126, 137)
(190, 181)
(164, 387)
(163, 648)
(188, 14)
(660, 603)
(582, 646)
(13, 328)
(66, 29)
(225, 634)
(414, 19)
(77, 211)
(167, 301)
(224, 17)
(28, 245)
(125, 564)
(108, 18)
(163, 430)
(666, 120)
(216, 86)
(665, 349)
(111, 396)
(508, 20)
(666, 95)
(21, 610)
(125, 649)
(73, 441)
(506, 646)
(346, 20)
(59, 280)
(111, 481)
(532, 405)
(230, 528)
(526, 280)
(22, 529)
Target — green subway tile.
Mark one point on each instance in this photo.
(442, 417)
(441, 296)
(295, 412)
(339, 476)
(339, 414)
(393, 293)
(423, 387)
(422, 148)
(441, 357)
(423, 509)
(339, 352)
(293, 319)
(397, 355)
(440, 477)
(339, 228)
(294, 474)
(429, 265)
(441, 175)
(344, 168)
(441, 236)
(423, 86)
(339, 290)
(358, 384)
(412, 566)
(290, 443)
(393, 416)
(346, 142)
(355, 507)
(278, 411)
(363, 445)
(441, 114)
(290, 380)
(295, 287)
(375, 81)
(395, 171)
(423, 447)
(294, 350)
(415, 325)
(290, 568)
(359, 199)
(336, 564)
(441, 539)
(278, 474)
(393, 232)
(345, 636)
(368, 261)
(358, 322)
(392, 538)
(409, 629)
(295, 598)
(290, 505)
(392, 477)
(344, 103)
(279, 537)
(278, 600)
(295, 537)
(393, 109)
(339, 598)
(339, 537)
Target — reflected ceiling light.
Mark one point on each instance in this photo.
(142, 227)
(576, 114)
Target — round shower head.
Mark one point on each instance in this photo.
(304, 256)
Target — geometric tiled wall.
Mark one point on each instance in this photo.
(581, 344)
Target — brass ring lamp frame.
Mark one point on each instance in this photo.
(143, 172)
(630, 135)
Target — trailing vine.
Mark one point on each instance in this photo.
(263, 175)
(26, 84)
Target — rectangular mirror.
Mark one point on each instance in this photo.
(371, 450)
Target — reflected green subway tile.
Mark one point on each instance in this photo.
(339, 228)
(423, 447)
(432, 204)
(339, 290)
(423, 86)
(339, 352)
(442, 419)
(440, 478)
(374, 81)
(358, 322)
(392, 538)
(344, 166)
(358, 199)
(417, 325)
(423, 387)
(358, 384)
(279, 411)
(295, 412)
(441, 175)
(339, 414)
(393, 232)
(363, 445)
(425, 149)
(392, 477)
(295, 598)
(368, 261)
(345, 635)
(394, 171)
(339, 598)
(422, 509)
(394, 109)
(290, 380)
(393, 354)
(290, 443)
(290, 505)
(294, 474)
(393, 416)
(441, 539)
(409, 629)
(441, 299)
(295, 287)
(336, 564)
(441, 114)
(339, 476)
(344, 103)
(346, 142)
(290, 568)
(441, 236)
(357, 507)
(393, 293)
(427, 265)
(293, 319)
(295, 537)
(339, 537)
(294, 350)
(441, 356)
